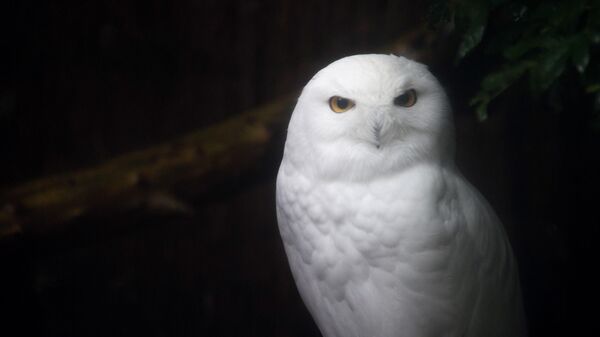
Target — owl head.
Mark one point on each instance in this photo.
(368, 115)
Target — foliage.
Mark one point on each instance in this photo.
(535, 40)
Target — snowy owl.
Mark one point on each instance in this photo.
(384, 237)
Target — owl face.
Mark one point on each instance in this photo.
(372, 112)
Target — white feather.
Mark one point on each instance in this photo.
(390, 240)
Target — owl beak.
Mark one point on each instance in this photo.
(377, 132)
(377, 124)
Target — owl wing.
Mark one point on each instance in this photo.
(455, 273)
(493, 298)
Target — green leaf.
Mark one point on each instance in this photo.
(494, 84)
(531, 45)
(550, 65)
(592, 88)
(470, 40)
(481, 103)
(580, 55)
(520, 48)
(557, 16)
(498, 81)
(472, 18)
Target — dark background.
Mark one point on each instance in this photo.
(84, 81)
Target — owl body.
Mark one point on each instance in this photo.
(383, 235)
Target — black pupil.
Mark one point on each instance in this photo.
(342, 103)
(402, 100)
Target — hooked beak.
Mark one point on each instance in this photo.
(377, 122)
(377, 133)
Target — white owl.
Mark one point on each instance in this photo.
(385, 238)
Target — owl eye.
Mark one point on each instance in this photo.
(406, 99)
(340, 104)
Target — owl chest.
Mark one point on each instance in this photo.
(338, 226)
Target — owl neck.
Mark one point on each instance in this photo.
(355, 161)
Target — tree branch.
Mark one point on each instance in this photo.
(225, 149)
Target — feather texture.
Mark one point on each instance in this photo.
(389, 239)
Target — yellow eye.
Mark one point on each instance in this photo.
(406, 99)
(340, 104)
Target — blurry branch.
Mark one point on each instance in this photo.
(126, 181)
(150, 178)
